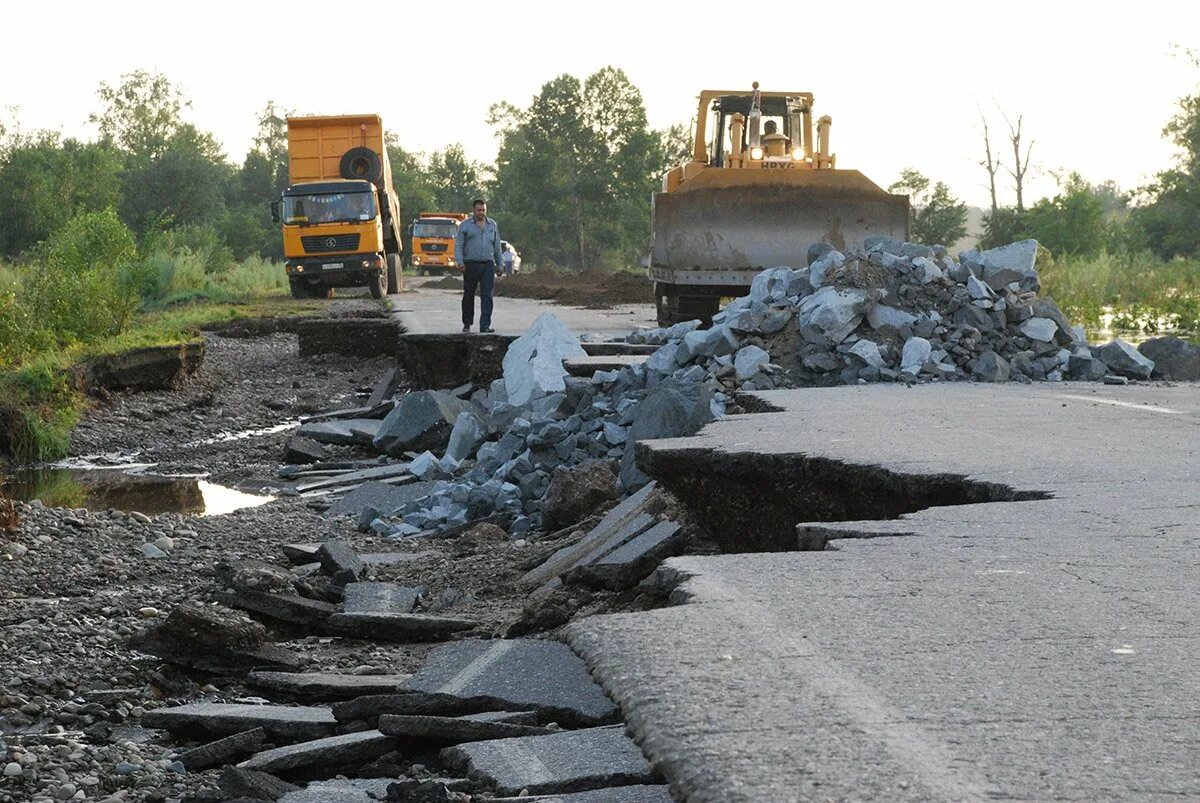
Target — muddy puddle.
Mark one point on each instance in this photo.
(125, 489)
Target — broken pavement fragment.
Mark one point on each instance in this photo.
(323, 686)
(402, 627)
(571, 761)
(517, 674)
(329, 753)
(222, 751)
(452, 730)
(284, 724)
(422, 420)
(214, 639)
(340, 561)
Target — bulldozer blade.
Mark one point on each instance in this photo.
(723, 226)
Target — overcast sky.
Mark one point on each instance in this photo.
(1095, 81)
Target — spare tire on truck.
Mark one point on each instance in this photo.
(361, 163)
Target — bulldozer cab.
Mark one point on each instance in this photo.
(761, 130)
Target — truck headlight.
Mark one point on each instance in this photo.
(756, 152)
(798, 154)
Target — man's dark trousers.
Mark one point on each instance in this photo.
(483, 276)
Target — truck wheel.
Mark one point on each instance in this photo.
(393, 273)
(673, 306)
(298, 290)
(378, 285)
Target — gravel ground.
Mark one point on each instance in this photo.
(75, 585)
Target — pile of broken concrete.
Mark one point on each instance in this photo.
(895, 312)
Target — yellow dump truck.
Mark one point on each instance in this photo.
(759, 190)
(340, 215)
(433, 235)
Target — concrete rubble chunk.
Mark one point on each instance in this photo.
(868, 352)
(375, 597)
(328, 753)
(466, 435)
(1041, 329)
(639, 793)
(626, 565)
(340, 561)
(1124, 360)
(914, 355)
(883, 315)
(341, 790)
(830, 314)
(452, 730)
(533, 364)
(300, 451)
(239, 783)
(393, 472)
(772, 285)
(1174, 359)
(1011, 263)
(403, 627)
(222, 751)
(369, 708)
(214, 639)
(422, 420)
(517, 673)
(991, 367)
(322, 686)
(575, 492)
(286, 724)
(669, 411)
(569, 555)
(749, 360)
(572, 761)
(340, 432)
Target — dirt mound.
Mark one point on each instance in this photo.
(594, 289)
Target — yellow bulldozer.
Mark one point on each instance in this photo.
(759, 190)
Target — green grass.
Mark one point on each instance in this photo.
(1137, 293)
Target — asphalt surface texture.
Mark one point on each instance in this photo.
(1018, 650)
(432, 310)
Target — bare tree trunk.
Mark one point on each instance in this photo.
(1019, 166)
(992, 165)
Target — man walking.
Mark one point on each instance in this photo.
(477, 251)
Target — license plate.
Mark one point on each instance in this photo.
(333, 265)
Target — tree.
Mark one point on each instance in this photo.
(47, 182)
(413, 188)
(1071, 222)
(141, 114)
(937, 216)
(1002, 226)
(1020, 167)
(575, 170)
(184, 185)
(1170, 214)
(677, 144)
(454, 179)
(990, 164)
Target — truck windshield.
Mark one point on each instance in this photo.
(328, 208)
(441, 228)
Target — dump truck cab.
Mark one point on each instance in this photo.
(433, 237)
(762, 186)
(340, 216)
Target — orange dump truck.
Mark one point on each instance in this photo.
(433, 235)
(340, 215)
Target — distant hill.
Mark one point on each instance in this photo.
(974, 231)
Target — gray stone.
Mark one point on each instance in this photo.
(749, 361)
(369, 708)
(978, 290)
(830, 314)
(1041, 329)
(1113, 379)
(882, 315)
(238, 783)
(322, 686)
(1123, 359)
(421, 421)
(915, 354)
(624, 566)
(468, 432)
(372, 597)
(868, 352)
(670, 411)
(1174, 359)
(388, 472)
(1011, 263)
(990, 367)
(772, 285)
(926, 270)
(341, 790)
(328, 753)
(517, 673)
(402, 627)
(336, 433)
(663, 360)
(821, 361)
(971, 315)
(381, 496)
(1046, 308)
(290, 608)
(364, 430)
(286, 724)
(562, 762)
(340, 561)
(222, 751)
(1082, 365)
(533, 363)
(640, 793)
(452, 730)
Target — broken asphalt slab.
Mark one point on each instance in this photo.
(376, 597)
(452, 730)
(657, 793)
(516, 673)
(222, 751)
(330, 753)
(404, 627)
(571, 761)
(322, 686)
(282, 723)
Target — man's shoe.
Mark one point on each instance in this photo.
(466, 329)
(486, 331)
